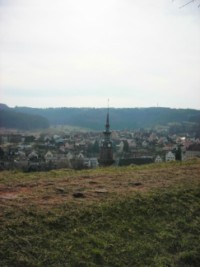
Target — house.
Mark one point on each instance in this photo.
(120, 147)
(80, 156)
(193, 151)
(94, 163)
(144, 143)
(49, 156)
(132, 144)
(158, 159)
(70, 156)
(91, 162)
(170, 156)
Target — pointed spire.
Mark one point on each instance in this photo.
(107, 119)
(106, 151)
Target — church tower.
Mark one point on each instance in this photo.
(106, 149)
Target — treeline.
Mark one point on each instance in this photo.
(120, 118)
(12, 119)
(94, 118)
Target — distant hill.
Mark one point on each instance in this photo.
(94, 118)
(120, 118)
(10, 118)
(3, 106)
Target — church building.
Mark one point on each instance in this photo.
(106, 148)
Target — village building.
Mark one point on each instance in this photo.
(192, 152)
(49, 156)
(120, 147)
(91, 162)
(170, 156)
(158, 159)
(106, 148)
(70, 155)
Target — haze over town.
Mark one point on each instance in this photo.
(79, 53)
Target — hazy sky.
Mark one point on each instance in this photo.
(64, 53)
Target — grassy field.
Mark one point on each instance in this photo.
(133, 216)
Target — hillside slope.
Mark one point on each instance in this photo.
(121, 118)
(133, 216)
(20, 120)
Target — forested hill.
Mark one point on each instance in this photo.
(10, 118)
(120, 118)
(94, 118)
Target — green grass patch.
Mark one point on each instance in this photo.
(159, 228)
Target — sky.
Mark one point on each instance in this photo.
(75, 53)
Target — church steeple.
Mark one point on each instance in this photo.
(107, 122)
(106, 151)
(107, 131)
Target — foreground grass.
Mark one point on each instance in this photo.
(155, 227)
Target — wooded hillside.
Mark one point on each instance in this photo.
(18, 120)
(120, 118)
(94, 118)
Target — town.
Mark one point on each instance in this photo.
(76, 149)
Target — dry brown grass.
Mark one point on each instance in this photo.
(56, 187)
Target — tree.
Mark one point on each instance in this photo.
(126, 146)
(189, 2)
(1, 153)
(178, 153)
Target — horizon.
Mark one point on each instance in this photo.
(79, 54)
(100, 107)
